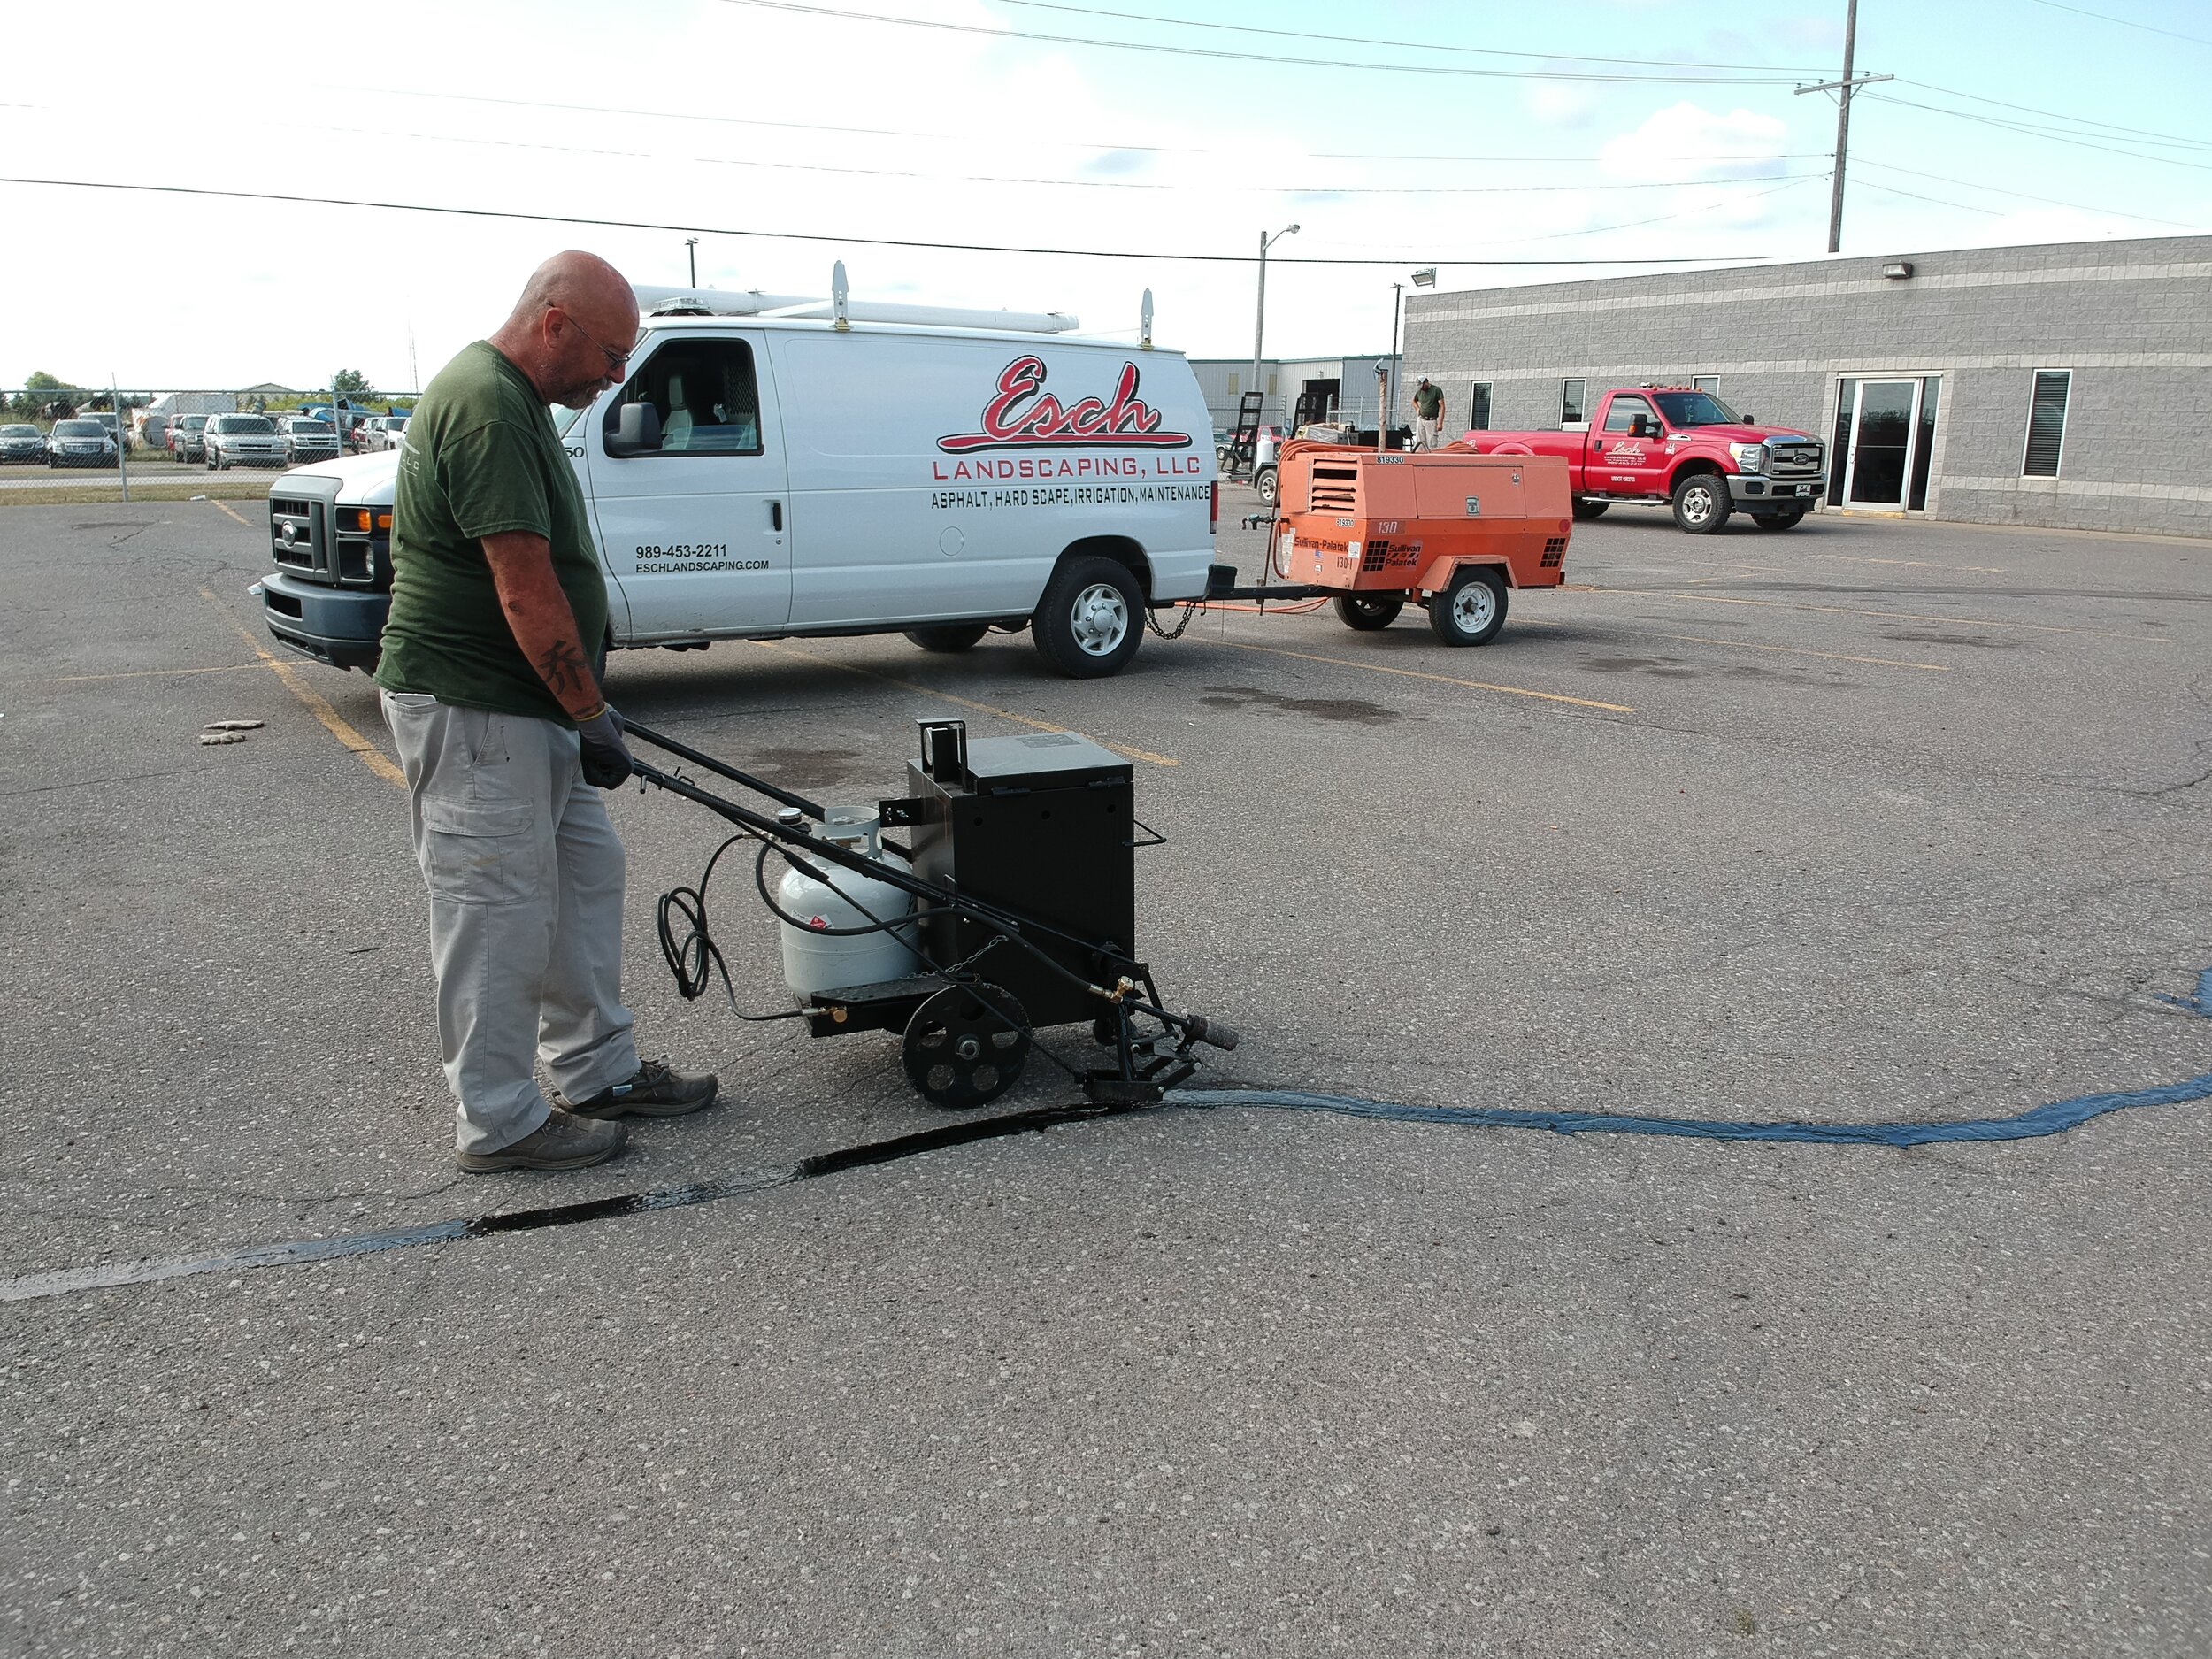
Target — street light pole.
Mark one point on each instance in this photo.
(1259, 313)
(691, 247)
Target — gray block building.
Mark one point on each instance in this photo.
(2065, 385)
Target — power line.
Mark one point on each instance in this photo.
(1357, 40)
(2106, 128)
(2032, 131)
(2103, 17)
(1252, 57)
(205, 192)
(2045, 201)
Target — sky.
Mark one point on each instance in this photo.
(1459, 134)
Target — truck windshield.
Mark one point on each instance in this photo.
(1696, 408)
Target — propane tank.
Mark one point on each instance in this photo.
(814, 961)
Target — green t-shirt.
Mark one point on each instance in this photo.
(1428, 402)
(482, 457)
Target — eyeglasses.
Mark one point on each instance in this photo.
(615, 359)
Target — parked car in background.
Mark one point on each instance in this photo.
(80, 443)
(185, 433)
(21, 442)
(107, 424)
(355, 428)
(385, 432)
(230, 441)
(308, 440)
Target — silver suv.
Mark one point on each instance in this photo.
(307, 439)
(242, 440)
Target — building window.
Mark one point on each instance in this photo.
(1707, 383)
(1478, 406)
(1573, 395)
(2047, 423)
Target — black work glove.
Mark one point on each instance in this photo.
(606, 758)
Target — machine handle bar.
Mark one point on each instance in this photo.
(759, 786)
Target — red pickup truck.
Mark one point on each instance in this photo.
(1676, 446)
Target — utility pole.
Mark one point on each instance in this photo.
(122, 435)
(1843, 89)
(691, 243)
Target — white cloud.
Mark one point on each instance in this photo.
(1686, 143)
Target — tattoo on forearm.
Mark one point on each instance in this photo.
(566, 672)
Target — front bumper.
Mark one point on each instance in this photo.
(332, 624)
(1752, 491)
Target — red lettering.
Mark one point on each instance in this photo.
(1022, 415)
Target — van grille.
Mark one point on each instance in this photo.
(1331, 489)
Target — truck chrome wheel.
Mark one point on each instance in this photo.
(1701, 503)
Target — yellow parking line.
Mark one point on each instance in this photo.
(1442, 680)
(142, 674)
(316, 704)
(225, 507)
(965, 702)
(1897, 616)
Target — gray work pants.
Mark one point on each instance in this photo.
(525, 872)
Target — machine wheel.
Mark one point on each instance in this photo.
(1366, 614)
(965, 1046)
(956, 636)
(1701, 503)
(1780, 520)
(1091, 619)
(1585, 511)
(1264, 481)
(1472, 610)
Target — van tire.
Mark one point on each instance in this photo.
(1472, 610)
(1091, 619)
(1701, 503)
(956, 636)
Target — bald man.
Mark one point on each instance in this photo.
(490, 685)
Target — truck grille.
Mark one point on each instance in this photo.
(1331, 489)
(1793, 460)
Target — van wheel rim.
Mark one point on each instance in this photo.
(1100, 620)
(1473, 606)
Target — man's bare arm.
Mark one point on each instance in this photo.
(545, 624)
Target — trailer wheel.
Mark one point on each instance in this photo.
(1779, 521)
(1701, 503)
(1091, 619)
(1585, 511)
(956, 636)
(1366, 614)
(1471, 611)
(1264, 481)
(965, 1046)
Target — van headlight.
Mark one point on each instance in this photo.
(1749, 457)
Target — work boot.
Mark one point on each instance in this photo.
(654, 1091)
(563, 1141)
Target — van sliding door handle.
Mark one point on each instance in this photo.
(775, 516)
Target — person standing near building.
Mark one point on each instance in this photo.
(489, 683)
(1428, 414)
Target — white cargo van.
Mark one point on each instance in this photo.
(772, 476)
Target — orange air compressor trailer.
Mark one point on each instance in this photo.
(1446, 529)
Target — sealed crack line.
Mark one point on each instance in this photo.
(2053, 1118)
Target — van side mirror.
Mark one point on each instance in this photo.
(637, 431)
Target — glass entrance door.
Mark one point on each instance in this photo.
(1884, 422)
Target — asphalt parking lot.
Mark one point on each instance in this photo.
(1866, 822)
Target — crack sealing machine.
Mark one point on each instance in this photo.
(1010, 907)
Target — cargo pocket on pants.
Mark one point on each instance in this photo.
(482, 852)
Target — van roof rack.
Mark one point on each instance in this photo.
(655, 301)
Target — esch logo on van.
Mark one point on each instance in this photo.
(1024, 416)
